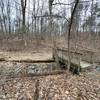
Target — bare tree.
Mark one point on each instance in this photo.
(50, 6)
(50, 12)
(1, 25)
(3, 16)
(23, 5)
(9, 16)
(69, 31)
(42, 21)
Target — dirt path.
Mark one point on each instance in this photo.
(34, 56)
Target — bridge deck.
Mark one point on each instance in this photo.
(80, 63)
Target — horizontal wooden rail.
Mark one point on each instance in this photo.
(79, 51)
(71, 51)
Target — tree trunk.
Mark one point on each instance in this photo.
(9, 19)
(69, 32)
(23, 5)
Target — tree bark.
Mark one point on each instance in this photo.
(69, 31)
(9, 18)
(23, 5)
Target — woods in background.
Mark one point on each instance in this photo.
(33, 17)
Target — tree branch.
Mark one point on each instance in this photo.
(69, 3)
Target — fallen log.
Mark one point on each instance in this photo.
(28, 61)
(55, 72)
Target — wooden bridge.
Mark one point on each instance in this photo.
(79, 60)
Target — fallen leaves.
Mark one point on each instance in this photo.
(51, 87)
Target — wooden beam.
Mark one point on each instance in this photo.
(28, 61)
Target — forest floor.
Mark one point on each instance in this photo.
(66, 86)
(25, 56)
(52, 87)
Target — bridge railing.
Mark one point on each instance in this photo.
(85, 55)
